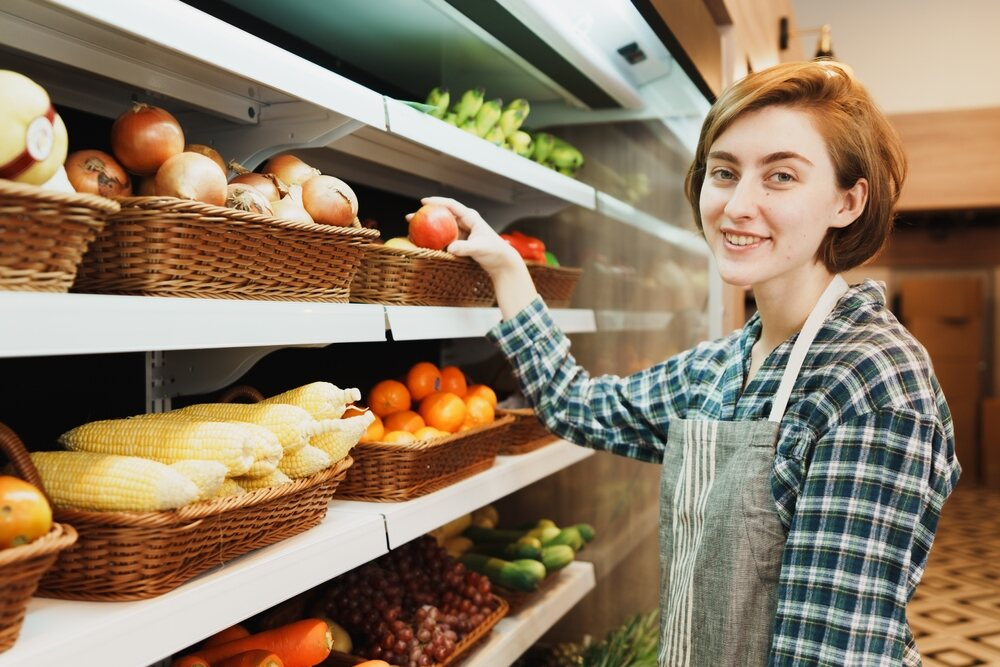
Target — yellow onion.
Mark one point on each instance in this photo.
(330, 201)
(33, 140)
(208, 152)
(290, 169)
(192, 176)
(247, 198)
(289, 208)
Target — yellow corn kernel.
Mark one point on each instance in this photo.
(336, 437)
(169, 440)
(107, 482)
(208, 476)
(230, 487)
(320, 399)
(307, 461)
(291, 424)
(276, 478)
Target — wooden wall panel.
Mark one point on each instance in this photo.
(954, 159)
(693, 25)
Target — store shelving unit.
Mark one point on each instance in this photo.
(98, 56)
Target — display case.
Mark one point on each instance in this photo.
(330, 82)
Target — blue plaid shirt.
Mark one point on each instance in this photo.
(865, 458)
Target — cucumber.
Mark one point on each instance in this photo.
(526, 547)
(545, 533)
(586, 531)
(481, 535)
(557, 557)
(570, 536)
(520, 575)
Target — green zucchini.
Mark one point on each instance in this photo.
(544, 533)
(586, 531)
(557, 557)
(520, 575)
(570, 536)
(526, 547)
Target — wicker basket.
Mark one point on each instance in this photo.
(555, 284)
(385, 472)
(43, 235)
(139, 555)
(161, 246)
(406, 277)
(22, 567)
(462, 648)
(526, 433)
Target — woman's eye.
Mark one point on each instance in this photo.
(782, 177)
(723, 174)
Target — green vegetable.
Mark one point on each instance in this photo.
(550, 259)
(482, 535)
(570, 536)
(520, 575)
(557, 557)
(586, 531)
(526, 547)
(544, 534)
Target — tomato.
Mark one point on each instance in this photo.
(433, 227)
(25, 514)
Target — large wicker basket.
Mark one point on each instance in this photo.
(388, 472)
(401, 276)
(43, 235)
(555, 284)
(161, 246)
(22, 567)
(139, 555)
(526, 433)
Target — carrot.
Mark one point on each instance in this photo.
(189, 661)
(300, 644)
(254, 658)
(229, 634)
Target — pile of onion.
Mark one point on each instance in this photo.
(97, 173)
(192, 176)
(144, 137)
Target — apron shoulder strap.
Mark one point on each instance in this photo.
(831, 295)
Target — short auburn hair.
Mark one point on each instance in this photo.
(860, 140)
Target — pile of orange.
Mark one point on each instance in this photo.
(431, 403)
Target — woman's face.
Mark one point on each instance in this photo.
(770, 195)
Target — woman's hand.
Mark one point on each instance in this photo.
(511, 280)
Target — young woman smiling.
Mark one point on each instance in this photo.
(806, 457)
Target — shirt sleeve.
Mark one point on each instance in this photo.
(870, 498)
(622, 415)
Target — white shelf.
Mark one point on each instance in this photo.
(514, 634)
(430, 322)
(407, 520)
(631, 320)
(127, 634)
(630, 215)
(40, 324)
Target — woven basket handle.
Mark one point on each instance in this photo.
(18, 455)
(242, 392)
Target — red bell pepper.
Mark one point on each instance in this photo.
(528, 247)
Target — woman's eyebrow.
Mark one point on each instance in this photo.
(777, 156)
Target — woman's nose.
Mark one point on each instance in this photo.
(743, 200)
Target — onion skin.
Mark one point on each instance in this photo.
(290, 169)
(329, 201)
(97, 173)
(290, 209)
(264, 183)
(208, 152)
(243, 197)
(144, 137)
(192, 176)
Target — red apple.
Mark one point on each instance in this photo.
(433, 227)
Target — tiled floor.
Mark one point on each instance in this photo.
(955, 613)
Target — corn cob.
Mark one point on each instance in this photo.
(276, 478)
(337, 436)
(320, 399)
(291, 424)
(105, 482)
(230, 487)
(168, 440)
(206, 475)
(307, 461)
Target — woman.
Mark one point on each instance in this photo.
(805, 457)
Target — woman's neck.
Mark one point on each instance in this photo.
(784, 306)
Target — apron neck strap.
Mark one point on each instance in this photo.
(831, 295)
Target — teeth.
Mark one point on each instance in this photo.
(741, 240)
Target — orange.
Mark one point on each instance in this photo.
(453, 380)
(423, 379)
(404, 420)
(429, 433)
(478, 411)
(388, 396)
(443, 410)
(375, 432)
(483, 391)
(398, 437)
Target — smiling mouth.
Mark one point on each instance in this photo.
(741, 240)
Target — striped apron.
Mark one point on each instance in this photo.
(721, 538)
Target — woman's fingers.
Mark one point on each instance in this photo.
(467, 218)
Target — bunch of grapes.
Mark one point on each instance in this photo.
(411, 606)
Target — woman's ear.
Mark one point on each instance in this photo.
(852, 203)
